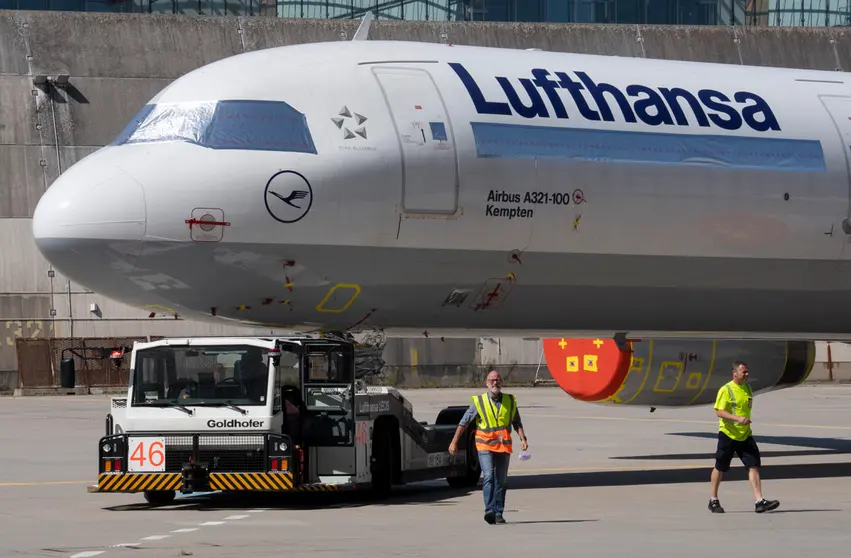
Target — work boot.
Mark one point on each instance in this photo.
(765, 505)
(715, 506)
(489, 517)
(499, 519)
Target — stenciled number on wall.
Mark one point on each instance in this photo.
(29, 330)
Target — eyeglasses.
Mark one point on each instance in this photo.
(495, 381)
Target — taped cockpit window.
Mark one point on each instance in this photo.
(133, 124)
(175, 122)
(229, 124)
(263, 125)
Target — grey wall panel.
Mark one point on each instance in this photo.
(18, 120)
(700, 44)
(61, 327)
(168, 328)
(787, 47)
(511, 350)
(429, 351)
(261, 32)
(22, 178)
(108, 308)
(842, 45)
(22, 269)
(127, 45)
(13, 49)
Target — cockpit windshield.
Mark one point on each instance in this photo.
(229, 124)
(215, 375)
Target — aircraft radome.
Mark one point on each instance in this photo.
(454, 190)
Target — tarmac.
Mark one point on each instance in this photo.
(602, 481)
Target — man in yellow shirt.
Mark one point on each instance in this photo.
(733, 406)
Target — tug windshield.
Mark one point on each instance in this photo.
(233, 376)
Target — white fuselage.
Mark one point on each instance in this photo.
(438, 187)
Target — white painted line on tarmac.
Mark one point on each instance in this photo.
(42, 483)
(90, 553)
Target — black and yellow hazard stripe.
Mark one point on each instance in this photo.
(317, 488)
(137, 482)
(251, 481)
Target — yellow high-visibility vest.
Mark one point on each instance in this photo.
(494, 428)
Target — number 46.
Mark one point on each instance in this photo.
(147, 454)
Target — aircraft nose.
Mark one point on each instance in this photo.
(92, 214)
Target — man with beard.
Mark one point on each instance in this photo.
(497, 413)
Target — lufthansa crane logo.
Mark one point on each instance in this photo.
(288, 196)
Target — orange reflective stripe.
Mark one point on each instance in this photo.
(495, 441)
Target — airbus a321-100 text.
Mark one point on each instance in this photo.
(466, 190)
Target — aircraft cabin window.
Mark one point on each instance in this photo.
(229, 124)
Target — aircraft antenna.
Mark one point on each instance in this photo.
(362, 34)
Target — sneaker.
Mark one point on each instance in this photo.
(765, 505)
(715, 506)
(489, 517)
(499, 519)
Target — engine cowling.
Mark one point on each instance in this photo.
(671, 372)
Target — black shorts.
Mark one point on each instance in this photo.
(746, 450)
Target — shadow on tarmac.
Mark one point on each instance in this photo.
(675, 476)
(420, 494)
(783, 511)
(824, 446)
(509, 522)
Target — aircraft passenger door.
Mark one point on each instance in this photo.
(429, 166)
(839, 109)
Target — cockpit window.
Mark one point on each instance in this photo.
(229, 124)
(182, 122)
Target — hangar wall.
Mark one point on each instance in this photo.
(116, 62)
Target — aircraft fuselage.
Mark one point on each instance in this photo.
(446, 188)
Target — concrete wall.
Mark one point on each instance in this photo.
(116, 62)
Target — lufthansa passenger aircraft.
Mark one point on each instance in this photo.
(448, 189)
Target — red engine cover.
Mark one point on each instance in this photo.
(587, 369)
